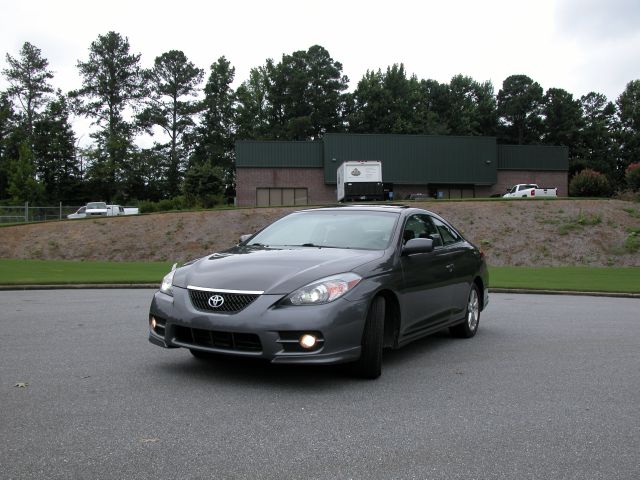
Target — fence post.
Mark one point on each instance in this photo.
(60, 217)
(26, 212)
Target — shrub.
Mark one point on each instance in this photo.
(589, 183)
(164, 205)
(632, 174)
(147, 206)
(632, 243)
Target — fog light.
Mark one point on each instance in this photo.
(153, 323)
(308, 341)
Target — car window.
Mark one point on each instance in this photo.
(447, 233)
(420, 226)
(338, 229)
(97, 205)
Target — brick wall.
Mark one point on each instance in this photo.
(249, 179)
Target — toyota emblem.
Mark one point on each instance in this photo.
(215, 301)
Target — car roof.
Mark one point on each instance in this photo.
(387, 207)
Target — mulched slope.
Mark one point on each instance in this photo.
(528, 233)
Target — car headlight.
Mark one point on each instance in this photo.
(325, 290)
(167, 282)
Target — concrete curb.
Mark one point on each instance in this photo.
(86, 286)
(80, 286)
(564, 292)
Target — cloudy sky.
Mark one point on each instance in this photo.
(578, 45)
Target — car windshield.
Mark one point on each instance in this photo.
(367, 230)
(97, 205)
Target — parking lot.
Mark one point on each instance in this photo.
(549, 388)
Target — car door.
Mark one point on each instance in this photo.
(425, 292)
(460, 265)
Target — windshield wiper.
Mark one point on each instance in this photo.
(314, 245)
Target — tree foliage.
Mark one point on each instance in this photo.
(632, 176)
(628, 104)
(302, 96)
(252, 105)
(28, 78)
(23, 186)
(299, 98)
(54, 152)
(173, 84)
(519, 106)
(112, 82)
(562, 118)
(214, 137)
(7, 128)
(595, 145)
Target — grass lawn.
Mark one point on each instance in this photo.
(587, 279)
(48, 272)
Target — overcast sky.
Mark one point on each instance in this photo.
(578, 45)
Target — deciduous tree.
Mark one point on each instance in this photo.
(596, 148)
(304, 95)
(628, 104)
(519, 103)
(252, 105)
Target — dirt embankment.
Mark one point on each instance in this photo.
(519, 233)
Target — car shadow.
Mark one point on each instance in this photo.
(251, 371)
(424, 346)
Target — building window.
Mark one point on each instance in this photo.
(276, 197)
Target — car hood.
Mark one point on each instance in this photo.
(272, 271)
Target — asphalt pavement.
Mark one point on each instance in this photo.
(548, 389)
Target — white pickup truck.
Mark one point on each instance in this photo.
(101, 209)
(530, 190)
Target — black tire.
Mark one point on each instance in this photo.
(469, 326)
(369, 365)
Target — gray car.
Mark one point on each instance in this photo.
(326, 286)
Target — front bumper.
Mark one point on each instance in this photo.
(339, 325)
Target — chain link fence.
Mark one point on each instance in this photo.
(27, 213)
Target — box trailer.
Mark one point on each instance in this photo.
(359, 180)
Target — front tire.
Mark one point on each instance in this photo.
(369, 365)
(469, 327)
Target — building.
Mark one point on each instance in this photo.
(304, 173)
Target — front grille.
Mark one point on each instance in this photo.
(246, 342)
(209, 301)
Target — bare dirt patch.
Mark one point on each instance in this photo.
(518, 233)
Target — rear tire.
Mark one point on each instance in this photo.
(469, 327)
(369, 365)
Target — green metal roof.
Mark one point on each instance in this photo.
(278, 154)
(416, 159)
(406, 159)
(533, 157)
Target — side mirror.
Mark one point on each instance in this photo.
(417, 245)
(244, 238)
